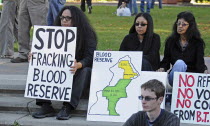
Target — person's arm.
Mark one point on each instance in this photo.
(130, 121)
(153, 56)
(200, 64)
(123, 44)
(90, 47)
(165, 63)
(172, 121)
(160, 70)
(87, 60)
(75, 67)
(206, 71)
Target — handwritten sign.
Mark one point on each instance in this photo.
(115, 85)
(53, 50)
(191, 97)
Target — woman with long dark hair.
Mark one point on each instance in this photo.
(71, 16)
(184, 48)
(142, 38)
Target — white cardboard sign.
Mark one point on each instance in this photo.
(191, 97)
(53, 50)
(115, 85)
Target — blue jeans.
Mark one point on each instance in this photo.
(149, 2)
(132, 3)
(153, 3)
(54, 8)
(179, 66)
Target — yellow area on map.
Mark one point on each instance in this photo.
(128, 73)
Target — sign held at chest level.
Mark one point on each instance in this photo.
(61, 38)
(53, 52)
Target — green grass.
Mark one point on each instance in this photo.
(111, 29)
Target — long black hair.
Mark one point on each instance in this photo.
(149, 32)
(192, 31)
(84, 29)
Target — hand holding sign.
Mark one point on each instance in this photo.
(75, 67)
(29, 56)
(53, 52)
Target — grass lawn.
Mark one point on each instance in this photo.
(112, 29)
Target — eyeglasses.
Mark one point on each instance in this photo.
(146, 98)
(182, 24)
(137, 24)
(67, 18)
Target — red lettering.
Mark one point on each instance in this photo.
(188, 92)
(199, 119)
(181, 93)
(205, 116)
(193, 80)
(185, 81)
(187, 103)
(183, 103)
(182, 80)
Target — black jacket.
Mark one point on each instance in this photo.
(85, 56)
(192, 55)
(132, 43)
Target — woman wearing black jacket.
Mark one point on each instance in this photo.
(184, 48)
(71, 16)
(142, 38)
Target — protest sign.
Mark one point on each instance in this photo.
(53, 50)
(115, 85)
(191, 97)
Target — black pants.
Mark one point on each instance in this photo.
(89, 3)
(80, 81)
(146, 66)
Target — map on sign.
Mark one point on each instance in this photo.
(111, 83)
(115, 85)
(113, 93)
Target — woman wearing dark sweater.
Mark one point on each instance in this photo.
(184, 48)
(142, 38)
(71, 16)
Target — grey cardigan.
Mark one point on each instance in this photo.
(165, 119)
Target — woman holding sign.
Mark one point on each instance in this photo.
(71, 16)
(142, 38)
(184, 48)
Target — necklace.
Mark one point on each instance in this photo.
(183, 45)
(140, 40)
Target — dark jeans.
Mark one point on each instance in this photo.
(83, 4)
(146, 66)
(80, 82)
